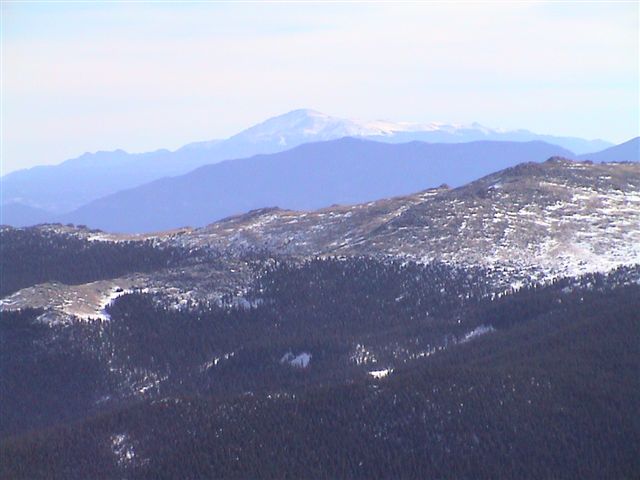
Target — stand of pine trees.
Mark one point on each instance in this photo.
(551, 393)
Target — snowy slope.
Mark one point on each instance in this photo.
(525, 223)
(555, 218)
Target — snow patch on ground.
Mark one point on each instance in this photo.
(216, 360)
(150, 381)
(476, 332)
(362, 356)
(108, 299)
(122, 449)
(85, 302)
(299, 361)
(378, 374)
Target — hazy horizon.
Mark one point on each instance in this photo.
(139, 77)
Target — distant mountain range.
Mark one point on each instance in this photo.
(62, 188)
(313, 175)
(625, 152)
(305, 125)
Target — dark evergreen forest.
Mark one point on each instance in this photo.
(549, 390)
(29, 257)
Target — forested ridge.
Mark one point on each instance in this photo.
(550, 390)
(32, 256)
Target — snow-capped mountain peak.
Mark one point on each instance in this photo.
(299, 126)
(303, 125)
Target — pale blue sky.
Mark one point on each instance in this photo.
(93, 76)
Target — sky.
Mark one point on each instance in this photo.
(91, 76)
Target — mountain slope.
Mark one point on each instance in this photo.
(526, 223)
(19, 215)
(551, 392)
(625, 152)
(558, 216)
(315, 175)
(312, 344)
(62, 188)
